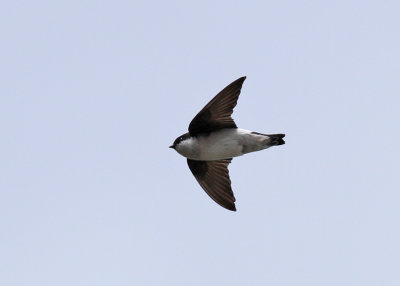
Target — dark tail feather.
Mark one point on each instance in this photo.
(276, 139)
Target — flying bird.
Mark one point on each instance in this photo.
(214, 139)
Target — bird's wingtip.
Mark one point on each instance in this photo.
(231, 207)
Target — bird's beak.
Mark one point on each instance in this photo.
(172, 146)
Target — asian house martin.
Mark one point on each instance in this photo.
(214, 139)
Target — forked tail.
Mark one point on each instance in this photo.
(273, 139)
(276, 139)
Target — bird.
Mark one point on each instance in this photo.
(214, 139)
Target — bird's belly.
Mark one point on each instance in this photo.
(219, 147)
(223, 151)
(228, 143)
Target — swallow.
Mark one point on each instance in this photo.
(214, 139)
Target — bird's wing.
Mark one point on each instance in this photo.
(213, 177)
(217, 113)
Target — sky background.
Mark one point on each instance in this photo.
(92, 94)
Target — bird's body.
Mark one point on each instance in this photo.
(224, 144)
(214, 139)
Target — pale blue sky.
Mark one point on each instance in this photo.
(92, 94)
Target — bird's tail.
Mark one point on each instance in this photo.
(272, 140)
(276, 139)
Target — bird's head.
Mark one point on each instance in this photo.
(177, 143)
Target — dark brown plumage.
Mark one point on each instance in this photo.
(217, 113)
(213, 177)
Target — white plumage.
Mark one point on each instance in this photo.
(222, 144)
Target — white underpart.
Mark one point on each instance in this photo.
(223, 144)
